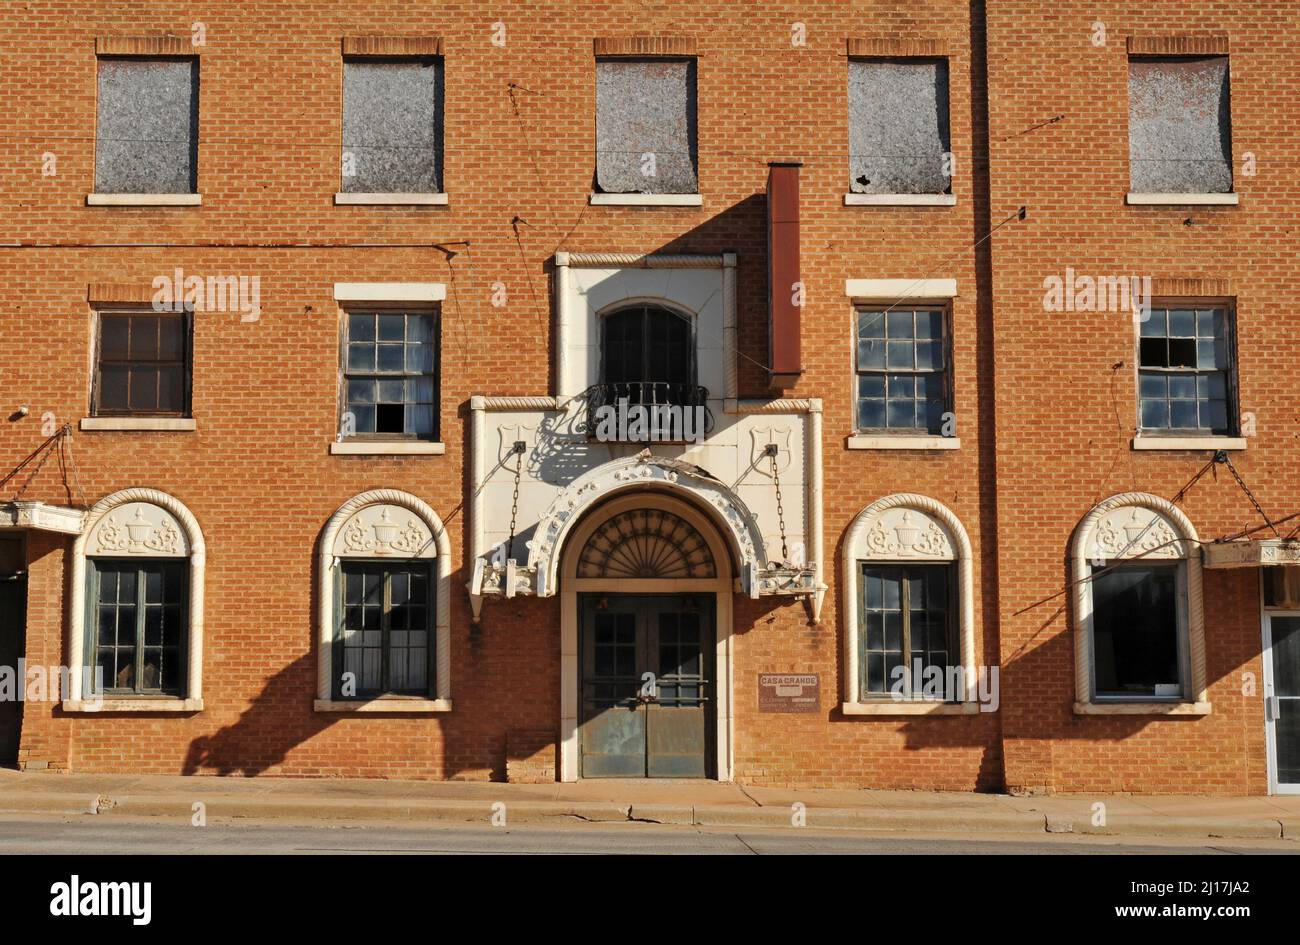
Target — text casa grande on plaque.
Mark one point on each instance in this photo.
(787, 692)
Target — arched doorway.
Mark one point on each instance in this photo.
(645, 584)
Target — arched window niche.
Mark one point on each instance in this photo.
(384, 599)
(1139, 627)
(136, 607)
(908, 603)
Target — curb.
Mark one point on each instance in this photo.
(337, 811)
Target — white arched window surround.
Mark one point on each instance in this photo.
(858, 548)
(332, 540)
(1162, 533)
(165, 511)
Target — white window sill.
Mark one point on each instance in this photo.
(647, 200)
(155, 424)
(381, 448)
(1182, 200)
(1142, 708)
(896, 290)
(900, 200)
(386, 704)
(144, 200)
(1189, 443)
(910, 708)
(390, 200)
(903, 442)
(133, 705)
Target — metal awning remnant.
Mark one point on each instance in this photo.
(1251, 553)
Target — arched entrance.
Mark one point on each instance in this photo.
(645, 584)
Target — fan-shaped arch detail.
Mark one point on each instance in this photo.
(646, 543)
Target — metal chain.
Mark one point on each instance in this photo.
(780, 510)
(514, 501)
(1222, 457)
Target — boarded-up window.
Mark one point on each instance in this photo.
(147, 134)
(1179, 125)
(898, 126)
(392, 126)
(645, 126)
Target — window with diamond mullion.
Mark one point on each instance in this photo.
(1184, 375)
(902, 370)
(905, 613)
(391, 376)
(139, 632)
(384, 637)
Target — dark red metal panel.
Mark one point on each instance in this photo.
(784, 289)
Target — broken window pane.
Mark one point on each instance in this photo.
(898, 126)
(1179, 125)
(392, 126)
(147, 135)
(645, 126)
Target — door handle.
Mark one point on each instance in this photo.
(1272, 708)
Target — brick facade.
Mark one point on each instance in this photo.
(1044, 402)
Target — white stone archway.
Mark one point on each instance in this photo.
(1137, 525)
(907, 526)
(566, 553)
(383, 523)
(146, 523)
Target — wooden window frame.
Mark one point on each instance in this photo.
(945, 322)
(1231, 372)
(186, 314)
(405, 309)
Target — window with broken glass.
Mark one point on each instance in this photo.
(142, 365)
(1139, 631)
(908, 634)
(898, 126)
(1185, 373)
(390, 375)
(902, 370)
(138, 640)
(383, 642)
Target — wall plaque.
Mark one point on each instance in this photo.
(789, 692)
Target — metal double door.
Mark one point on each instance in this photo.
(648, 685)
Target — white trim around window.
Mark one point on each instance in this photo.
(159, 526)
(874, 537)
(350, 534)
(1142, 527)
(899, 290)
(390, 291)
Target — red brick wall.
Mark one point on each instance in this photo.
(258, 476)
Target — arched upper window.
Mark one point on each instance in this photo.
(385, 609)
(1139, 627)
(136, 628)
(909, 610)
(647, 352)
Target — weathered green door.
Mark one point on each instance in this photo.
(647, 686)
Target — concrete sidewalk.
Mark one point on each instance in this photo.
(702, 803)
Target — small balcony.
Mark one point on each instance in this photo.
(645, 412)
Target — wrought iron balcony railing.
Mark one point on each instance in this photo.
(646, 412)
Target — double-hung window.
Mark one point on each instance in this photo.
(902, 370)
(1186, 376)
(391, 374)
